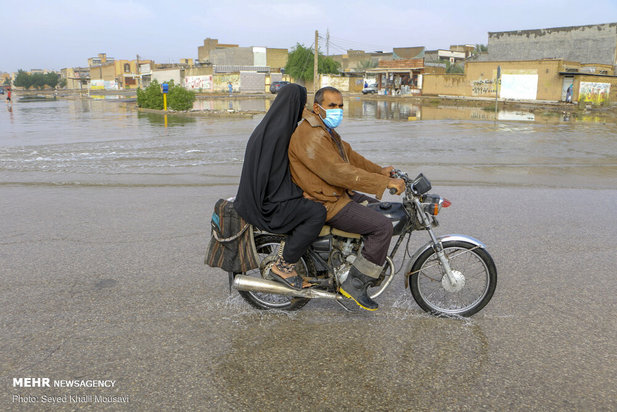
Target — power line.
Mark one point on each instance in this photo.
(336, 46)
(353, 44)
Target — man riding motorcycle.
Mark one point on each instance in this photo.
(328, 170)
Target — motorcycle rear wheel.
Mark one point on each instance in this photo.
(267, 247)
(473, 262)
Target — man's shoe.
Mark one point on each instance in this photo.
(354, 287)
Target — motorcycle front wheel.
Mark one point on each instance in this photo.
(267, 248)
(474, 263)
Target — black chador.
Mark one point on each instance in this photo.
(267, 198)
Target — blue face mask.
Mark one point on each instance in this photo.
(333, 117)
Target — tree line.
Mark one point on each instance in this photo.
(36, 80)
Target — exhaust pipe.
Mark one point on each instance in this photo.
(252, 284)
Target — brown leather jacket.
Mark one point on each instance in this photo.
(326, 167)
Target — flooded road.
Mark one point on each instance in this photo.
(103, 142)
(105, 220)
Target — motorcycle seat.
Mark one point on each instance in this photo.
(329, 230)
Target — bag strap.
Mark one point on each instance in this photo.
(229, 239)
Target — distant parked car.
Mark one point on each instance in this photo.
(276, 86)
(371, 88)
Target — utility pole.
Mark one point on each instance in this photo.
(497, 88)
(327, 42)
(315, 73)
(138, 75)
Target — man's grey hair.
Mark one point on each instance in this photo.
(320, 93)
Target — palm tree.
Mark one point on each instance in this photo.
(366, 64)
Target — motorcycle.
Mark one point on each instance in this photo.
(450, 275)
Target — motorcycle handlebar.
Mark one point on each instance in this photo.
(397, 174)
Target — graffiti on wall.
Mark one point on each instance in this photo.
(96, 84)
(198, 82)
(594, 93)
(482, 86)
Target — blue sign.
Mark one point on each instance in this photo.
(165, 87)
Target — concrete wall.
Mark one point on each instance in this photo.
(595, 89)
(341, 83)
(240, 56)
(198, 71)
(200, 84)
(203, 52)
(165, 75)
(356, 84)
(276, 58)
(199, 79)
(344, 84)
(450, 85)
(251, 82)
(479, 80)
(103, 85)
(586, 44)
(222, 79)
(105, 72)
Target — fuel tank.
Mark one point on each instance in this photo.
(394, 211)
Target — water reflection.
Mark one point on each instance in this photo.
(94, 140)
(159, 119)
(382, 109)
(406, 110)
(244, 105)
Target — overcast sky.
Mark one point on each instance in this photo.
(46, 34)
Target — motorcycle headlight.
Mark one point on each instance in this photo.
(421, 184)
(432, 204)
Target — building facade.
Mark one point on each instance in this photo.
(111, 74)
(596, 43)
(77, 78)
(403, 76)
(358, 61)
(546, 80)
(203, 51)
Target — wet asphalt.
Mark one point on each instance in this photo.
(109, 283)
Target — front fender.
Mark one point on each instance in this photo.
(429, 245)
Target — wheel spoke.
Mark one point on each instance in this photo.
(464, 258)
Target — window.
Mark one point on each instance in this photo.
(127, 68)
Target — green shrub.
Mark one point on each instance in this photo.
(151, 97)
(178, 98)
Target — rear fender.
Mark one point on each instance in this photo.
(429, 245)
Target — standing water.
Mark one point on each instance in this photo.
(109, 142)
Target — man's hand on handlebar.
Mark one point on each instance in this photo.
(387, 171)
(396, 186)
